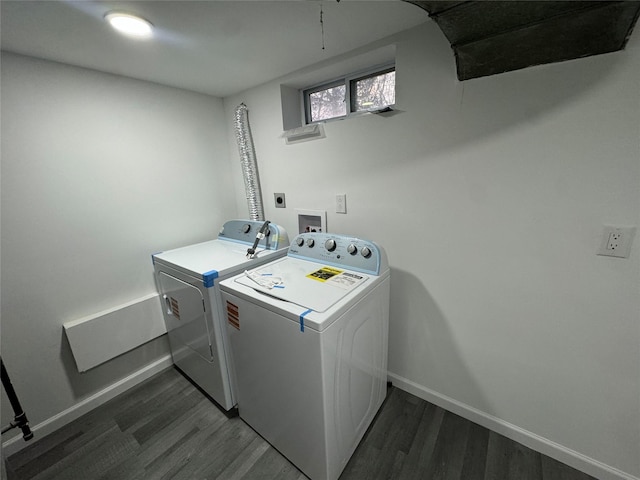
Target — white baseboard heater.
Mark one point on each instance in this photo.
(100, 337)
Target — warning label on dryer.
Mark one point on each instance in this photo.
(175, 307)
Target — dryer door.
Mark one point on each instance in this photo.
(185, 316)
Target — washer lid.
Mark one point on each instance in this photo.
(308, 284)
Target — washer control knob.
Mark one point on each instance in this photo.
(330, 245)
(366, 252)
(310, 242)
(300, 241)
(352, 249)
(245, 228)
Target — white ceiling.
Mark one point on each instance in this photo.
(214, 47)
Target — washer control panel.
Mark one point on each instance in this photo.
(339, 251)
(245, 231)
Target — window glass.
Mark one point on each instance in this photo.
(376, 91)
(327, 103)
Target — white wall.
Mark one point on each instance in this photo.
(490, 196)
(98, 172)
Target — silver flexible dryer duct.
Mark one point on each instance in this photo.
(248, 162)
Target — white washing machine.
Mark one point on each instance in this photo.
(188, 280)
(309, 335)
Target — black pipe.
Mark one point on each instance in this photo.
(264, 231)
(20, 420)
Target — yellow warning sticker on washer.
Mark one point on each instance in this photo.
(324, 274)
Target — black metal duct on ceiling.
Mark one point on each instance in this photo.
(490, 37)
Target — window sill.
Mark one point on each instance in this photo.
(389, 111)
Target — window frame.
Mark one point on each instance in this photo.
(348, 81)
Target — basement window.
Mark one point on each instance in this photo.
(326, 102)
(373, 90)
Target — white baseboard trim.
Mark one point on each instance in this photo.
(52, 424)
(540, 444)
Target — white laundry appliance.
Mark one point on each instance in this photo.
(309, 337)
(188, 280)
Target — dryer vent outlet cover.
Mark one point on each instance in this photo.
(304, 134)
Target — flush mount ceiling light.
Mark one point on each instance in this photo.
(129, 24)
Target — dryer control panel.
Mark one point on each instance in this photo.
(245, 231)
(340, 251)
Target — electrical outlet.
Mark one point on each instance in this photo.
(280, 200)
(341, 203)
(616, 241)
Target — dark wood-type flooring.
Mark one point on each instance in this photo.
(165, 428)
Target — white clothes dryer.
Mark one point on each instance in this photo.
(188, 280)
(309, 336)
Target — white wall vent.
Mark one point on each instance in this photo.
(304, 134)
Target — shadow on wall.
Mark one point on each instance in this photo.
(423, 347)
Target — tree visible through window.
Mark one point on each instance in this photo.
(334, 100)
(328, 103)
(374, 92)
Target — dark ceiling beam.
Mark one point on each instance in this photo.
(490, 37)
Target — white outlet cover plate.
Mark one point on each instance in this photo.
(341, 203)
(624, 245)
